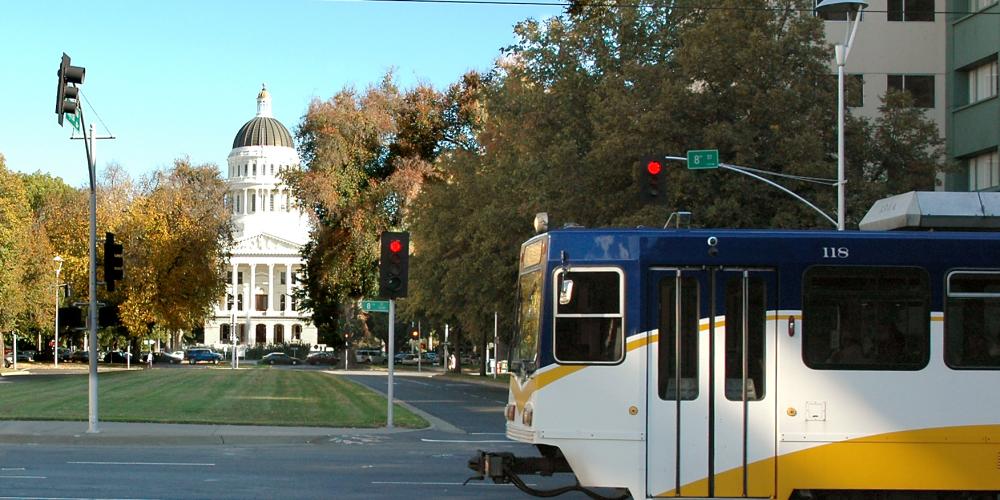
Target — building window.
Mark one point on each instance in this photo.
(972, 320)
(296, 333)
(279, 334)
(252, 198)
(921, 87)
(866, 318)
(982, 81)
(281, 278)
(910, 10)
(261, 337)
(281, 302)
(229, 302)
(224, 333)
(239, 302)
(854, 92)
(239, 278)
(261, 302)
(984, 171)
(255, 169)
(238, 204)
(271, 205)
(977, 5)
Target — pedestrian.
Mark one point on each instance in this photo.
(149, 359)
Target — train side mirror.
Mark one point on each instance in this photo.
(565, 292)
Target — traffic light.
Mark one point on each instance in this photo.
(393, 267)
(68, 94)
(114, 261)
(652, 179)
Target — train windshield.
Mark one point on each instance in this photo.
(524, 352)
(529, 303)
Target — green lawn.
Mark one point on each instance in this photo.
(260, 396)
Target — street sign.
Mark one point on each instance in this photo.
(703, 158)
(375, 305)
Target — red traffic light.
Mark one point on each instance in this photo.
(395, 246)
(654, 167)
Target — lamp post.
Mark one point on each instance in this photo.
(58, 260)
(841, 51)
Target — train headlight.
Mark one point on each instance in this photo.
(509, 412)
(528, 416)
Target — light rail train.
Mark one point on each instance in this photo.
(757, 363)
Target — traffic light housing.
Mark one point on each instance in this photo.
(652, 179)
(394, 264)
(67, 93)
(114, 261)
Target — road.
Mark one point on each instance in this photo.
(350, 464)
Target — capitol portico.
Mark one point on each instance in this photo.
(269, 233)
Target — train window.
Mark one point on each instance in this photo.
(588, 322)
(668, 358)
(972, 320)
(756, 296)
(866, 318)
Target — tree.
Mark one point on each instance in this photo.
(176, 234)
(16, 222)
(367, 155)
(900, 150)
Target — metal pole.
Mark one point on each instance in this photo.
(92, 312)
(59, 268)
(496, 346)
(841, 203)
(420, 355)
(445, 362)
(392, 354)
(14, 333)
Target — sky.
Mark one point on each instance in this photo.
(178, 78)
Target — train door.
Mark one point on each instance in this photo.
(716, 332)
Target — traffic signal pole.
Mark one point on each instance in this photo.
(92, 310)
(392, 358)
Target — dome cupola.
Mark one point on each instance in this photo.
(263, 129)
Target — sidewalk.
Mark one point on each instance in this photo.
(127, 433)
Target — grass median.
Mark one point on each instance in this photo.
(259, 396)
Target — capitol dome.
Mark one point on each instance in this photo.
(263, 130)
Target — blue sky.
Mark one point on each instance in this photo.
(179, 78)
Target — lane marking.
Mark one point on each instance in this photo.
(71, 498)
(487, 433)
(177, 464)
(466, 441)
(23, 477)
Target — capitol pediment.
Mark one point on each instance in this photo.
(265, 244)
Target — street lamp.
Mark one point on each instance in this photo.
(841, 51)
(58, 260)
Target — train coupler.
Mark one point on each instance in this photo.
(502, 466)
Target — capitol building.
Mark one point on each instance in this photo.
(269, 232)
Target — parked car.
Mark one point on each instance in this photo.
(405, 358)
(8, 360)
(118, 357)
(371, 356)
(322, 358)
(25, 355)
(81, 356)
(167, 357)
(207, 355)
(279, 358)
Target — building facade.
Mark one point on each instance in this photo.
(945, 53)
(269, 233)
(973, 138)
